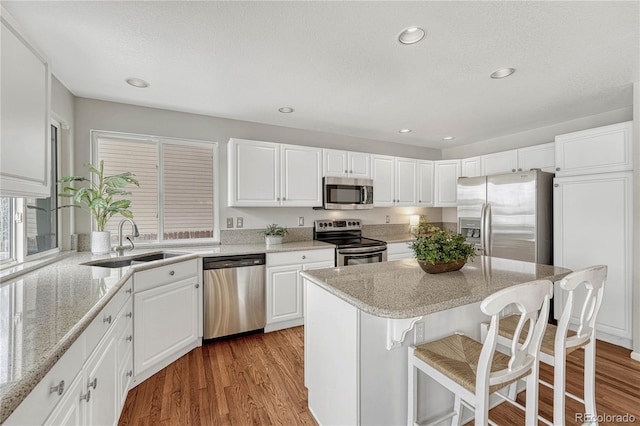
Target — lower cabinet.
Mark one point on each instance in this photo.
(284, 285)
(398, 251)
(100, 378)
(68, 412)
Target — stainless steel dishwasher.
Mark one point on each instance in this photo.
(234, 295)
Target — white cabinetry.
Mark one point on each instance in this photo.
(166, 302)
(405, 181)
(25, 84)
(470, 167)
(271, 174)
(69, 412)
(398, 251)
(284, 285)
(425, 183)
(592, 226)
(499, 162)
(599, 150)
(346, 164)
(446, 182)
(541, 157)
(383, 175)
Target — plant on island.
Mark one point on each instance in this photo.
(433, 245)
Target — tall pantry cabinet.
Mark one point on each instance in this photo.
(593, 222)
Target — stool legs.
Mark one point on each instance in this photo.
(412, 387)
(559, 386)
(590, 380)
(531, 413)
(456, 420)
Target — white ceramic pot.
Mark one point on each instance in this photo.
(273, 240)
(100, 242)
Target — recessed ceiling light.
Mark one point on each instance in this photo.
(286, 110)
(502, 73)
(448, 138)
(404, 131)
(411, 35)
(137, 82)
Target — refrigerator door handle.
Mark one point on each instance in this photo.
(482, 233)
(486, 229)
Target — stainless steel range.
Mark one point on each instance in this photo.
(351, 247)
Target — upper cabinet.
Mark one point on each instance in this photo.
(25, 84)
(406, 174)
(446, 174)
(346, 164)
(599, 150)
(499, 162)
(394, 181)
(537, 157)
(425, 183)
(470, 167)
(271, 174)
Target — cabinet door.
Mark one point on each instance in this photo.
(335, 162)
(383, 174)
(499, 162)
(599, 150)
(166, 321)
(446, 182)
(425, 183)
(541, 157)
(397, 251)
(405, 169)
(592, 225)
(470, 167)
(25, 116)
(101, 379)
(68, 412)
(284, 293)
(254, 173)
(359, 165)
(301, 176)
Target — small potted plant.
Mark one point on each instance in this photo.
(273, 234)
(439, 251)
(102, 199)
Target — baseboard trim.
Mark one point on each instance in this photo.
(635, 356)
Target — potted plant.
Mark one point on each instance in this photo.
(273, 234)
(102, 199)
(440, 251)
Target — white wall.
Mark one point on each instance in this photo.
(537, 136)
(101, 115)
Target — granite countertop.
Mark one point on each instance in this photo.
(47, 308)
(401, 289)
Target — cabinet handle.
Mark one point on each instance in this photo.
(129, 373)
(86, 396)
(172, 273)
(107, 319)
(304, 257)
(129, 338)
(557, 169)
(128, 291)
(92, 383)
(129, 315)
(57, 389)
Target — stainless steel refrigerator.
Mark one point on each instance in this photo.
(509, 215)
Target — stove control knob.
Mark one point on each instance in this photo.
(330, 224)
(358, 223)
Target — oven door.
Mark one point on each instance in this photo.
(361, 255)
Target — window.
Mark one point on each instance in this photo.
(29, 226)
(175, 200)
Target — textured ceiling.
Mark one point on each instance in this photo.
(340, 66)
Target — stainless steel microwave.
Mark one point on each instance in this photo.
(347, 193)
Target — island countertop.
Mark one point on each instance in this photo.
(401, 289)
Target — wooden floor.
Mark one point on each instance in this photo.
(259, 380)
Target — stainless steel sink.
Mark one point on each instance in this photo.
(136, 260)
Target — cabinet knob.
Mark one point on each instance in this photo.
(346, 171)
(129, 338)
(128, 291)
(284, 198)
(129, 373)
(86, 396)
(278, 199)
(350, 171)
(557, 169)
(556, 185)
(129, 315)
(57, 389)
(172, 273)
(519, 170)
(107, 319)
(92, 383)
(197, 285)
(304, 257)
(419, 201)
(513, 170)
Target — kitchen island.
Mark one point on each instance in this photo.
(360, 321)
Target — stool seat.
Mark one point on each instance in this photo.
(508, 328)
(457, 357)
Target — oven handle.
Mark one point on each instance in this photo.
(362, 250)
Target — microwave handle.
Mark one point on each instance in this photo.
(366, 194)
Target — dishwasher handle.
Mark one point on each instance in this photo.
(222, 262)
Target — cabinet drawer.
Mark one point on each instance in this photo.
(161, 275)
(107, 317)
(37, 406)
(300, 257)
(399, 248)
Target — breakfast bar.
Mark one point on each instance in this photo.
(360, 321)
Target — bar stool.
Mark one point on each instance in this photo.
(558, 341)
(473, 371)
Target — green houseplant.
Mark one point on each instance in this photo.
(102, 199)
(273, 234)
(440, 251)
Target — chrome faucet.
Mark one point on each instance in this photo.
(119, 249)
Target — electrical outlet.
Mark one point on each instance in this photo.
(388, 219)
(229, 222)
(239, 222)
(301, 221)
(419, 334)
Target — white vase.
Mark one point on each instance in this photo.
(273, 239)
(100, 242)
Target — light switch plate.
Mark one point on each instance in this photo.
(301, 221)
(229, 222)
(239, 222)
(388, 219)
